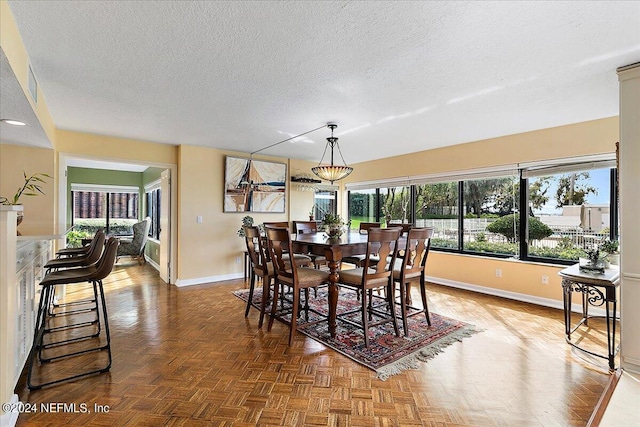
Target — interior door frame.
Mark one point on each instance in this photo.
(61, 226)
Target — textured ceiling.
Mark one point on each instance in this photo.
(397, 77)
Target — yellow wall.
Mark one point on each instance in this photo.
(114, 148)
(38, 210)
(209, 249)
(593, 137)
(300, 202)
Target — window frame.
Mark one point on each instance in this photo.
(107, 189)
(518, 171)
(149, 191)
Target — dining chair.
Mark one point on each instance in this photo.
(303, 260)
(260, 267)
(358, 259)
(411, 268)
(374, 275)
(311, 227)
(94, 274)
(287, 273)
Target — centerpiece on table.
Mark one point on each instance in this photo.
(595, 261)
(333, 226)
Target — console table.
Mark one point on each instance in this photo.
(597, 290)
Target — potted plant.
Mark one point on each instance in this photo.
(610, 248)
(247, 221)
(32, 187)
(312, 213)
(333, 225)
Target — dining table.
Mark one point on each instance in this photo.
(334, 249)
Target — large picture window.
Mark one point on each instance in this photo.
(573, 207)
(532, 212)
(111, 208)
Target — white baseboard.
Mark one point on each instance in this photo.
(9, 419)
(202, 280)
(545, 302)
(152, 263)
(630, 364)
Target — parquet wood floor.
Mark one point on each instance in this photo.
(189, 357)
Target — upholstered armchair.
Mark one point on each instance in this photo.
(135, 247)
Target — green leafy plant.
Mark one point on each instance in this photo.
(247, 221)
(609, 246)
(505, 226)
(333, 225)
(32, 187)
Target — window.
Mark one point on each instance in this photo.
(395, 205)
(570, 205)
(363, 207)
(491, 216)
(437, 206)
(569, 210)
(112, 208)
(152, 196)
(324, 203)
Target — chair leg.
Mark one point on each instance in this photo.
(392, 306)
(266, 291)
(294, 314)
(365, 318)
(424, 301)
(403, 308)
(274, 304)
(251, 287)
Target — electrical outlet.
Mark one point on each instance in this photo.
(237, 260)
(545, 280)
(498, 272)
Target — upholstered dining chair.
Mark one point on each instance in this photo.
(411, 268)
(135, 247)
(374, 275)
(260, 267)
(289, 274)
(303, 260)
(311, 227)
(358, 259)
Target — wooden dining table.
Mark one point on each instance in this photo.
(352, 243)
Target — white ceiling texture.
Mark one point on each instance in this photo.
(397, 77)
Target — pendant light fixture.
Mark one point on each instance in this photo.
(332, 172)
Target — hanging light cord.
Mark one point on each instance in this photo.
(289, 139)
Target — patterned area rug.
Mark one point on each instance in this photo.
(387, 354)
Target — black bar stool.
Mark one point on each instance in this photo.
(93, 274)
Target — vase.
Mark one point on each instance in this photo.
(334, 231)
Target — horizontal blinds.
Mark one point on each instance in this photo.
(484, 173)
(567, 168)
(104, 188)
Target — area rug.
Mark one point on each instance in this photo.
(387, 354)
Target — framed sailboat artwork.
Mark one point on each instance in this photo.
(254, 185)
